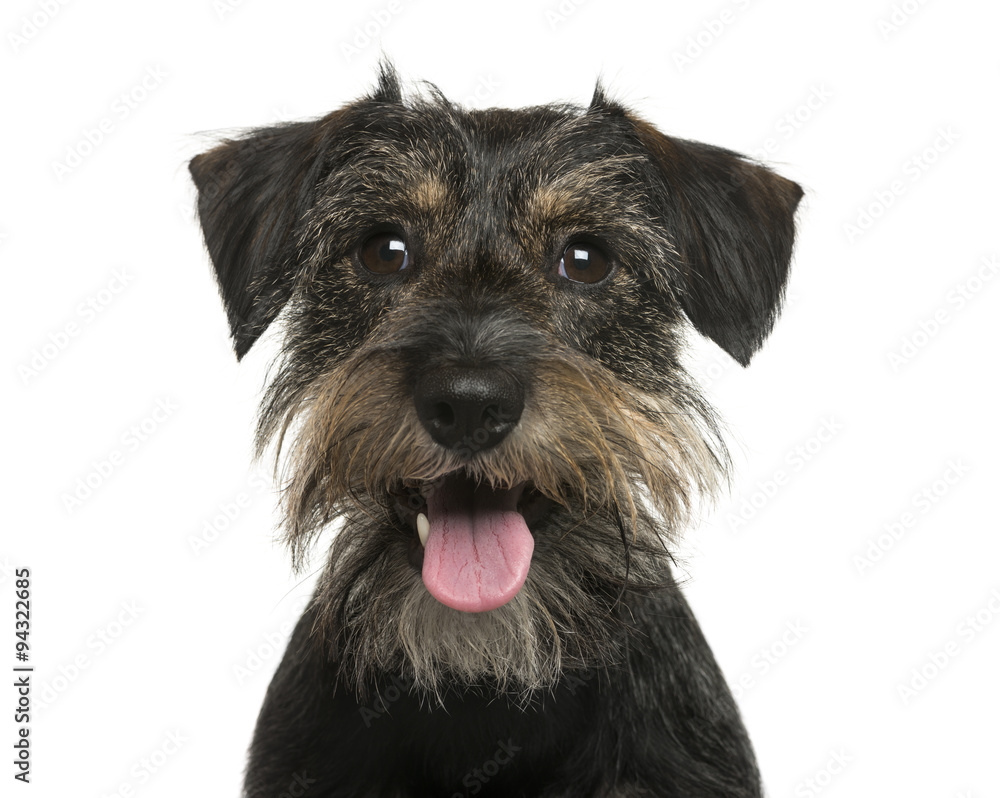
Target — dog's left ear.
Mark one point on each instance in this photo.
(733, 224)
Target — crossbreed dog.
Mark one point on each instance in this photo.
(481, 380)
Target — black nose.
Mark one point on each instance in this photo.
(468, 409)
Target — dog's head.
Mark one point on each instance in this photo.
(483, 315)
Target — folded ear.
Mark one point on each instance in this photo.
(253, 193)
(733, 224)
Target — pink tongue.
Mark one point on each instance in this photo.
(479, 548)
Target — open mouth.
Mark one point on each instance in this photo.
(471, 541)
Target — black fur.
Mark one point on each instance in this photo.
(662, 723)
(735, 229)
(487, 201)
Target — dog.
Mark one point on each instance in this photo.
(483, 315)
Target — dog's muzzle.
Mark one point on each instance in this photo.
(478, 547)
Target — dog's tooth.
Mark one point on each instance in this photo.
(423, 528)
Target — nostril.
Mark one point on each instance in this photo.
(468, 409)
(443, 413)
(496, 419)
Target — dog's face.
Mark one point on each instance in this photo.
(481, 368)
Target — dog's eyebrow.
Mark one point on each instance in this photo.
(580, 186)
(430, 193)
(550, 200)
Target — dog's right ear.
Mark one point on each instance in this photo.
(253, 193)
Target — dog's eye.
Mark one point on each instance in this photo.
(385, 253)
(583, 263)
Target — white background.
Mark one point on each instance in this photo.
(876, 391)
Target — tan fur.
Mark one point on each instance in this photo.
(359, 435)
(600, 449)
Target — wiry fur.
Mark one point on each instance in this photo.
(358, 435)
(595, 668)
(625, 453)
